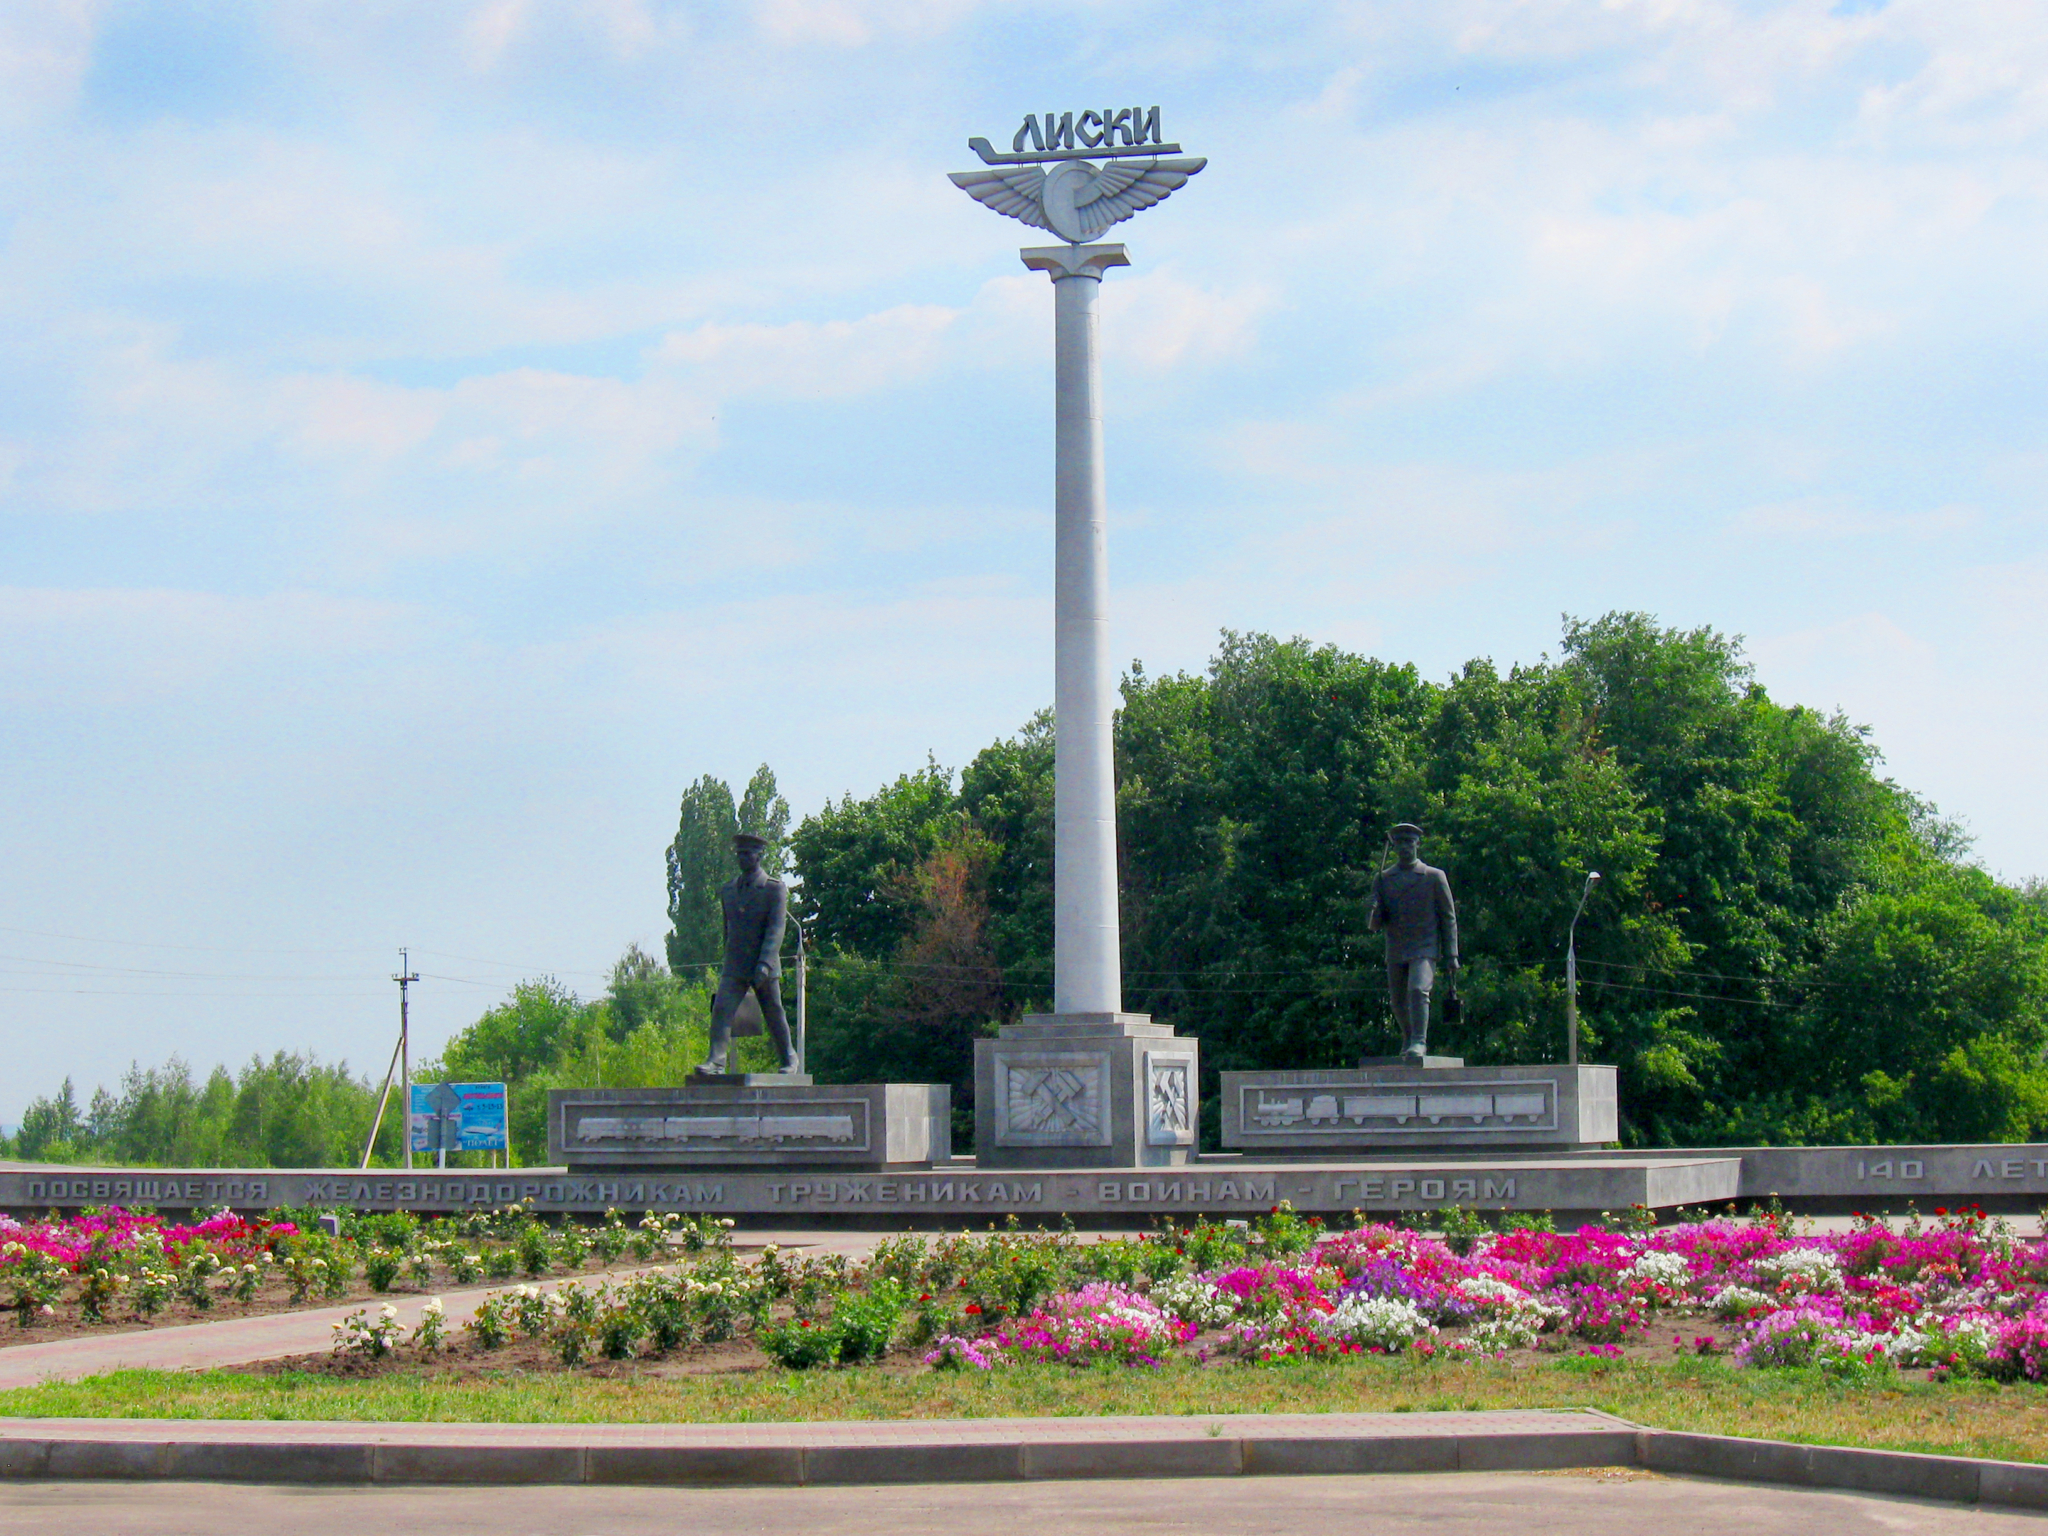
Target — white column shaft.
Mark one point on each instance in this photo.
(1087, 963)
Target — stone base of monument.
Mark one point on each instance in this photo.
(771, 1121)
(1085, 1090)
(1429, 1063)
(751, 1079)
(1421, 1109)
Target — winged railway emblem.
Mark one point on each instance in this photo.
(1077, 199)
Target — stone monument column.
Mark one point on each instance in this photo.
(1087, 969)
(1087, 1085)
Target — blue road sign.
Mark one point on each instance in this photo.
(457, 1117)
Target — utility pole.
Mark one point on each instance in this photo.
(405, 978)
(1571, 973)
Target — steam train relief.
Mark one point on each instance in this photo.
(1510, 1109)
(678, 1130)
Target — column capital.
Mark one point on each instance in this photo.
(1074, 260)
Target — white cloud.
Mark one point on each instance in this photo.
(122, 647)
(1160, 323)
(1839, 518)
(857, 23)
(813, 360)
(45, 50)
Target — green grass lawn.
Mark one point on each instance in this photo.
(1968, 1417)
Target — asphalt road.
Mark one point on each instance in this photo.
(1606, 1503)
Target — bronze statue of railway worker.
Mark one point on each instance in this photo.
(1411, 904)
(756, 911)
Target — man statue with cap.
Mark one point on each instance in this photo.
(756, 911)
(1411, 904)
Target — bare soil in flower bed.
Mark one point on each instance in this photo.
(462, 1359)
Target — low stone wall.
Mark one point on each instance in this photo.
(1877, 1179)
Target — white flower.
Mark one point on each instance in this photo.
(1734, 1300)
(1658, 1268)
(1810, 1269)
(1378, 1322)
(1194, 1300)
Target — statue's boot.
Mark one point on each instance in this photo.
(721, 1046)
(778, 1034)
(1416, 1051)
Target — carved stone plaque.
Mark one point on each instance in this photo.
(1169, 1099)
(1474, 1104)
(839, 1124)
(1052, 1099)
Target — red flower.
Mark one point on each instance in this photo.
(973, 1307)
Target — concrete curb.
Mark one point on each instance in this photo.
(338, 1454)
(1020, 1458)
(1950, 1479)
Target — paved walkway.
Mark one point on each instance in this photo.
(1607, 1503)
(279, 1335)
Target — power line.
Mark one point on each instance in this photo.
(135, 970)
(205, 949)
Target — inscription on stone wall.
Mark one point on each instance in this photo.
(969, 1192)
(1399, 1186)
(140, 1191)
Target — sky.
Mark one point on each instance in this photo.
(431, 436)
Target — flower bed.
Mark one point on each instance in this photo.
(1959, 1294)
(111, 1267)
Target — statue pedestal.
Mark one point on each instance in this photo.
(1429, 1063)
(1448, 1109)
(1085, 1090)
(768, 1122)
(701, 1078)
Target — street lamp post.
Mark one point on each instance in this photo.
(1571, 973)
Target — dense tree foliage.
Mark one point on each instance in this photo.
(1784, 945)
(291, 1111)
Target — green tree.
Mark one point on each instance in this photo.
(527, 1031)
(1755, 865)
(49, 1127)
(855, 858)
(700, 861)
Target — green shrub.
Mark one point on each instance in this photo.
(535, 1256)
(859, 1330)
(381, 1266)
